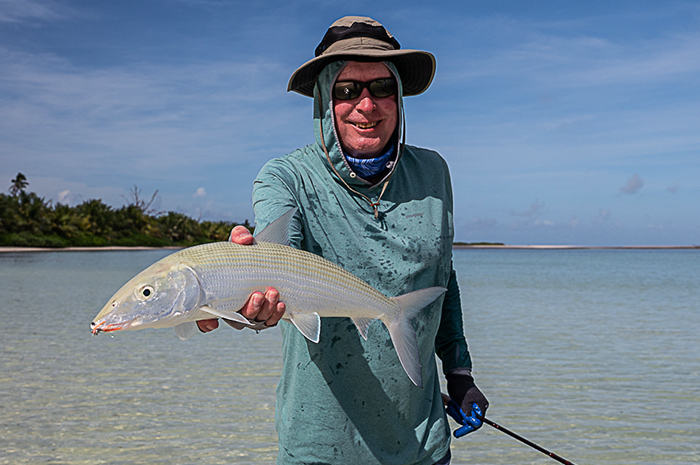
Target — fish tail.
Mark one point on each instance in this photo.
(402, 333)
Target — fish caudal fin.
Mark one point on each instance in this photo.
(402, 333)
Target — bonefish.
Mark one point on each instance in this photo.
(215, 280)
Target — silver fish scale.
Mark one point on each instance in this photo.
(307, 282)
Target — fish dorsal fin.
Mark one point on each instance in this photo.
(277, 232)
(229, 315)
(309, 324)
(186, 330)
(362, 324)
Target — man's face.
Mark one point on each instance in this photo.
(365, 124)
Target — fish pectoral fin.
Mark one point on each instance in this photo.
(229, 315)
(362, 324)
(186, 330)
(309, 324)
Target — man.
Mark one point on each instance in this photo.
(382, 210)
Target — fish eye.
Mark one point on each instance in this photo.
(145, 292)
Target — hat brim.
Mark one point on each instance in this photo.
(416, 68)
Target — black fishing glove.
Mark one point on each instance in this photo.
(473, 403)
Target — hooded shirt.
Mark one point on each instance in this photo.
(346, 399)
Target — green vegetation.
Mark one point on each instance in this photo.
(27, 220)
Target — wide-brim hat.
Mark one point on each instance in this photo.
(357, 38)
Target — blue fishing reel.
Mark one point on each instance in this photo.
(469, 423)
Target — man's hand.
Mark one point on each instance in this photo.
(469, 398)
(265, 307)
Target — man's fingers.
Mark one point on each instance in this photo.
(260, 307)
(241, 235)
(264, 307)
(273, 308)
(208, 325)
(253, 306)
(269, 304)
(277, 315)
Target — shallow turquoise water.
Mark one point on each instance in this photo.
(594, 355)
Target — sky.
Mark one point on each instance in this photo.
(563, 122)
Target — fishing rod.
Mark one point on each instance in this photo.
(525, 441)
(460, 417)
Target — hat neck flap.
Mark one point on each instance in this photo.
(329, 143)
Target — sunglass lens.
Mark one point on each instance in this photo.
(382, 88)
(379, 88)
(347, 90)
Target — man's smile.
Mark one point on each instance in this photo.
(365, 125)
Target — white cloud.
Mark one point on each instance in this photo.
(643, 62)
(74, 192)
(535, 209)
(634, 184)
(201, 192)
(560, 58)
(14, 11)
(602, 217)
(64, 196)
(157, 122)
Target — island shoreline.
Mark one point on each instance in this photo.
(11, 249)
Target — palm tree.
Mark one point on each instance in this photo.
(18, 184)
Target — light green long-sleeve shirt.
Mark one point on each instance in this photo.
(346, 400)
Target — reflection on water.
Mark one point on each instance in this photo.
(592, 354)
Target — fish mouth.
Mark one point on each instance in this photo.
(101, 327)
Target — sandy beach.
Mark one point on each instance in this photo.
(575, 247)
(6, 249)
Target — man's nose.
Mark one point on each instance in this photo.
(366, 103)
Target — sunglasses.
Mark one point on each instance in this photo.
(379, 88)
